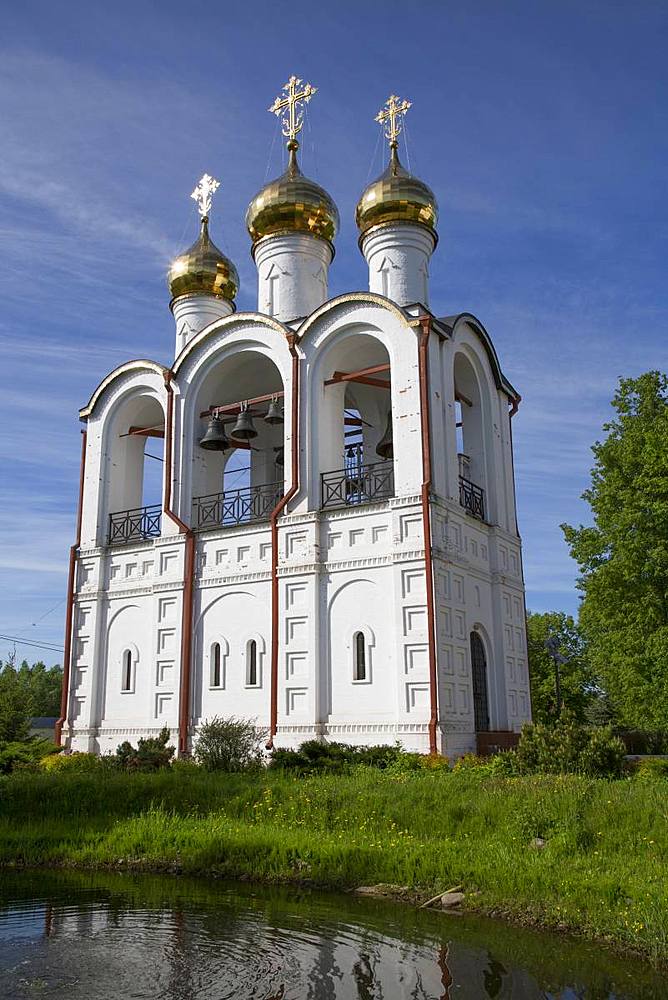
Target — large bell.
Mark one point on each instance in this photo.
(244, 430)
(280, 457)
(275, 412)
(215, 438)
(385, 447)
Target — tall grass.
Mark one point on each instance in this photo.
(580, 854)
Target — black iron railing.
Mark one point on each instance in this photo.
(135, 525)
(222, 510)
(472, 498)
(357, 483)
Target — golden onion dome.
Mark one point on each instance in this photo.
(396, 196)
(203, 269)
(292, 203)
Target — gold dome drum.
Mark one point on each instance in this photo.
(396, 196)
(203, 269)
(292, 203)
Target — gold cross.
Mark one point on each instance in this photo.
(392, 112)
(292, 125)
(206, 188)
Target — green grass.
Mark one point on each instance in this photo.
(602, 872)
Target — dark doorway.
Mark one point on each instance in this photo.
(479, 671)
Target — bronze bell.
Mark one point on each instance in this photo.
(244, 430)
(275, 412)
(385, 447)
(280, 457)
(215, 438)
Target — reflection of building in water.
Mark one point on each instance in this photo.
(247, 953)
(330, 542)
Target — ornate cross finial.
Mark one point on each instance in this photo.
(203, 193)
(392, 113)
(293, 96)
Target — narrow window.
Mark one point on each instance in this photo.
(251, 669)
(126, 674)
(359, 642)
(215, 665)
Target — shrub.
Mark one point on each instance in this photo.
(151, 754)
(78, 763)
(566, 747)
(652, 770)
(24, 754)
(316, 757)
(641, 741)
(229, 744)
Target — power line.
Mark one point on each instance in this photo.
(52, 648)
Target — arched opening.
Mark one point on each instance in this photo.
(135, 471)
(359, 656)
(470, 439)
(355, 424)
(479, 679)
(127, 678)
(216, 666)
(252, 673)
(238, 447)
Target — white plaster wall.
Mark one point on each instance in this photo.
(292, 271)
(194, 312)
(233, 614)
(338, 571)
(398, 259)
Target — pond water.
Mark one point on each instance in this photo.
(99, 936)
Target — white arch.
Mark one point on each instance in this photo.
(225, 341)
(335, 325)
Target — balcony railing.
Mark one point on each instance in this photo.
(472, 498)
(135, 525)
(357, 483)
(243, 506)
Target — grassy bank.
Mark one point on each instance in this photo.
(601, 871)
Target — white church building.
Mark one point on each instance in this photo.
(333, 550)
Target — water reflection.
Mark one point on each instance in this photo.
(95, 937)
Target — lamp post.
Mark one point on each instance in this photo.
(552, 646)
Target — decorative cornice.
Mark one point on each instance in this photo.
(236, 319)
(128, 368)
(205, 582)
(353, 298)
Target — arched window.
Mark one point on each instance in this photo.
(251, 664)
(216, 670)
(479, 677)
(127, 671)
(359, 657)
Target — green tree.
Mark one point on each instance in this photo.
(14, 707)
(577, 689)
(623, 556)
(43, 685)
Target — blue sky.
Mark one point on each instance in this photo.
(542, 128)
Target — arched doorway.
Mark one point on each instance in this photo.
(479, 676)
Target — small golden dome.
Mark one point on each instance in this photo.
(203, 269)
(396, 196)
(292, 203)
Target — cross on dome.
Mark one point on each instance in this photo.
(392, 112)
(294, 121)
(203, 193)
